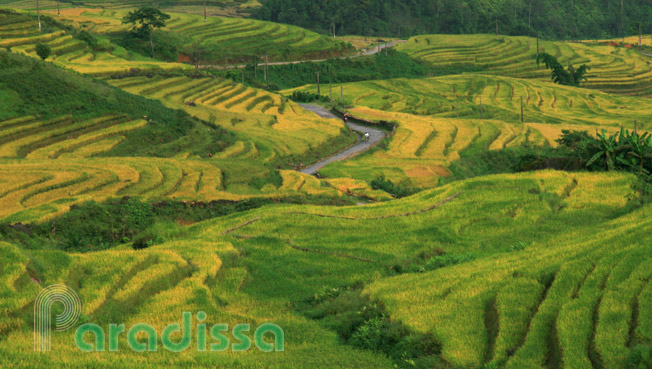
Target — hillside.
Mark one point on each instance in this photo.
(467, 213)
(529, 254)
(47, 108)
(254, 37)
(219, 7)
(400, 18)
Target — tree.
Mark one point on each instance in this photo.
(43, 50)
(144, 21)
(195, 52)
(570, 77)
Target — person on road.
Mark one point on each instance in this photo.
(366, 137)
(346, 118)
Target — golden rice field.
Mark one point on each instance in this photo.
(20, 34)
(64, 137)
(422, 147)
(613, 69)
(270, 125)
(575, 300)
(472, 96)
(576, 292)
(237, 39)
(37, 189)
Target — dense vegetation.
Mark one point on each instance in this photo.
(385, 65)
(625, 151)
(552, 18)
(95, 226)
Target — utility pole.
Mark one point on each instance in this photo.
(267, 70)
(529, 17)
(58, 10)
(342, 94)
(522, 113)
(640, 35)
(255, 67)
(242, 77)
(386, 48)
(333, 24)
(205, 14)
(38, 15)
(318, 88)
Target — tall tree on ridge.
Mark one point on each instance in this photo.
(144, 21)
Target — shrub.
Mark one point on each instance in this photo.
(43, 50)
(381, 183)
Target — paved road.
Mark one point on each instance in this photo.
(375, 136)
(368, 52)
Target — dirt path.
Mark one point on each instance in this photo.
(368, 52)
(375, 136)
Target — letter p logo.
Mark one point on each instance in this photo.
(49, 296)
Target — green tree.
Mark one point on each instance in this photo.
(43, 50)
(144, 21)
(569, 77)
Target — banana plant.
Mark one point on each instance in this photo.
(607, 146)
(635, 150)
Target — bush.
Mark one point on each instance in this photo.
(365, 323)
(381, 183)
(307, 97)
(43, 50)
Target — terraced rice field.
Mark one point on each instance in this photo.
(47, 166)
(37, 189)
(613, 69)
(422, 147)
(575, 300)
(558, 272)
(20, 34)
(30, 138)
(270, 126)
(494, 97)
(237, 39)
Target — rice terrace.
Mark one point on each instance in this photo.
(326, 184)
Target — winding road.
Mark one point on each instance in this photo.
(375, 136)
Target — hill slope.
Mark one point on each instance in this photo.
(544, 273)
(54, 106)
